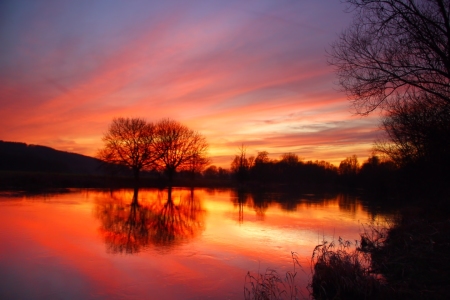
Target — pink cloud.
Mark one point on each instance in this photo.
(239, 73)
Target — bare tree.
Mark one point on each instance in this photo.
(241, 164)
(349, 166)
(197, 164)
(262, 157)
(179, 147)
(129, 142)
(416, 131)
(394, 50)
(290, 159)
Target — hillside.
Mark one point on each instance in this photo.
(16, 156)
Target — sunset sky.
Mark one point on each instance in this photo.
(239, 72)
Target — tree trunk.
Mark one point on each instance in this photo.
(170, 173)
(136, 172)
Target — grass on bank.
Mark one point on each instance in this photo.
(414, 256)
(408, 260)
(271, 285)
(342, 273)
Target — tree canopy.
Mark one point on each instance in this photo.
(417, 132)
(129, 142)
(394, 50)
(167, 146)
(179, 147)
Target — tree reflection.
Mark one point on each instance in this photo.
(256, 203)
(161, 221)
(173, 223)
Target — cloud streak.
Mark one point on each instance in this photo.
(239, 72)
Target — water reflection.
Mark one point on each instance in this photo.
(131, 225)
(259, 202)
(51, 243)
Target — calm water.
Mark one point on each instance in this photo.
(98, 244)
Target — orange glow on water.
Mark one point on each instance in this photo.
(202, 243)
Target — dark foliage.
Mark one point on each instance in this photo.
(394, 50)
(413, 254)
(418, 139)
(408, 260)
(342, 273)
(289, 170)
(378, 176)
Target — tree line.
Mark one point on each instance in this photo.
(289, 169)
(377, 173)
(169, 147)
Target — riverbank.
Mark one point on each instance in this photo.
(409, 260)
(36, 181)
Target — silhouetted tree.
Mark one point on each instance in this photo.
(262, 158)
(197, 164)
(348, 169)
(214, 172)
(417, 132)
(378, 174)
(211, 172)
(129, 142)
(290, 159)
(179, 147)
(349, 166)
(262, 169)
(290, 168)
(223, 173)
(318, 172)
(241, 164)
(394, 50)
(417, 140)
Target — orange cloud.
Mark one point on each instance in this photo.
(237, 72)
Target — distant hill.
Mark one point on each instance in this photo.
(34, 158)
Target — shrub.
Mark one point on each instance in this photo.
(270, 285)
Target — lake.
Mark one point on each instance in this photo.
(156, 244)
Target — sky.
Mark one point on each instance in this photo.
(250, 73)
